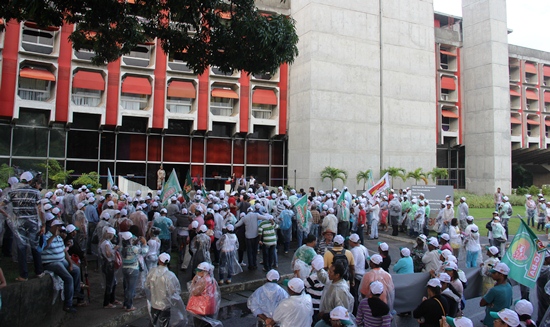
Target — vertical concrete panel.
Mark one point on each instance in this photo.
(486, 88)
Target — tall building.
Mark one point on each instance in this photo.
(377, 83)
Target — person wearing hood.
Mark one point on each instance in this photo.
(265, 299)
(294, 311)
(200, 247)
(165, 289)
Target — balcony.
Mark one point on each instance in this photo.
(134, 101)
(86, 98)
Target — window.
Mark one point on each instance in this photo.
(178, 61)
(221, 106)
(262, 111)
(36, 40)
(217, 71)
(86, 98)
(84, 54)
(139, 56)
(34, 89)
(131, 101)
(178, 105)
(180, 96)
(445, 124)
(264, 76)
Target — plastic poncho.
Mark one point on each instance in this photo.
(266, 298)
(200, 247)
(204, 296)
(163, 292)
(152, 257)
(336, 294)
(228, 246)
(295, 311)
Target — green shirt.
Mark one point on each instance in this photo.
(267, 233)
(499, 297)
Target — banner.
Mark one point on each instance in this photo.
(524, 256)
(341, 198)
(301, 210)
(187, 185)
(110, 181)
(171, 188)
(382, 185)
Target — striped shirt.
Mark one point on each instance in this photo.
(55, 252)
(267, 232)
(314, 288)
(366, 319)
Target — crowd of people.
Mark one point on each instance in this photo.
(336, 279)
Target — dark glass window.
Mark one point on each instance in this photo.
(33, 117)
(86, 121)
(57, 143)
(131, 146)
(222, 129)
(108, 145)
(29, 141)
(134, 124)
(179, 127)
(5, 139)
(262, 132)
(82, 144)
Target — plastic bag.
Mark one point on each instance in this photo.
(204, 296)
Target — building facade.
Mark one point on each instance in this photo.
(377, 83)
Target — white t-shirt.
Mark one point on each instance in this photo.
(360, 253)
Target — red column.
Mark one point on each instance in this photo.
(64, 75)
(204, 96)
(244, 101)
(113, 83)
(9, 68)
(160, 87)
(283, 98)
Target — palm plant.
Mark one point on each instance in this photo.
(438, 173)
(363, 176)
(417, 175)
(333, 174)
(394, 172)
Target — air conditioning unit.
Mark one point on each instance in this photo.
(445, 97)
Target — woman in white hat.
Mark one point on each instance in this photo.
(204, 300)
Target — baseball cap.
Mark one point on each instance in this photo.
(57, 222)
(55, 210)
(126, 235)
(163, 210)
(434, 282)
(492, 249)
(445, 237)
(451, 266)
(509, 317)
(444, 278)
(164, 257)
(433, 242)
(110, 230)
(376, 259)
(71, 228)
(194, 224)
(110, 204)
(383, 246)
(405, 252)
(342, 314)
(26, 176)
(523, 307)
(230, 227)
(470, 218)
(47, 206)
(318, 262)
(204, 266)
(459, 322)
(203, 228)
(376, 287)
(272, 275)
(354, 238)
(49, 216)
(339, 239)
(296, 285)
(502, 268)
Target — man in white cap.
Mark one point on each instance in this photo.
(505, 212)
(524, 309)
(463, 212)
(296, 310)
(166, 227)
(433, 307)
(339, 316)
(330, 221)
(336, 293)
(505, 318)
(360, 254)
(339, 253)
(265, 299)
(165, 289)
(431, 258)
(530, 209)
(500, 296)
(69, 203)
(379, 274)
(30, 225)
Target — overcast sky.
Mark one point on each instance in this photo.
(526, 17)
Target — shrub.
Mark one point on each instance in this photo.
(534, 190)
(486, 200)
(546, 190)
(522, 191)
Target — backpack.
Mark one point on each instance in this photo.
(509, 212)
(341, 257)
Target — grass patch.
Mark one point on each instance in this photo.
(483, 215)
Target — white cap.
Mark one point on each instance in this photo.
(26, 176)
(376, 259)
(57, 222)
(444, 278)
(445, 236)
(230, 228)
(154, 204)
(383, 246)
(296, 285)
(203, 228)
(48, 195)
(138, 192)
(126, 235)
(330, 210)
(105, 215)
(509, 317)
(47, 206)
(470, 218)
(460, 321)
(164, 257)
(204, 266)
(110, 230)
(339, 239)
(173, 199)
(71, 228)
(163, 210)
(502, 268)
(49, 216)
(55, 210)
(463, 198)
(354, 238)
(318, 262)
(493, 250)
(340, 313)
(91, 200)
(446, 253)
(505, 198)
(194, 224)
(405, 252)
(272, 275)
(123, 212)
(110, 204)
(433, 242)
(434, 282)
(376, 287)
(524, 307)
(451, 266)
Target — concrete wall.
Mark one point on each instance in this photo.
(339, 115)
(486, 93)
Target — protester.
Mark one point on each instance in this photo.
(301, 261)
(327, 242)
(505, 317)
(524, 309)
(132, 248)
(431, 259)
(383, 250)
(405, 264)
(228, 246)
(107, 256)
(433, 307)
(204, 300)
(418, 252)
(336, 293)
(200, 247)
(471, 243)
(487, 266)
(265, 299)
(543, 298)
(450, 294)
(294, 311)
(500, 296)
(372, 311)
(315, 284)
(377, 273)
(339, 253)
(267, 234)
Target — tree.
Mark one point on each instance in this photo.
(438, 173)
(91, 180)
(395, 172)
(5, 173)
(364, 176)
(232, 35)
(333, 174)
(417, 175)
(56, 173)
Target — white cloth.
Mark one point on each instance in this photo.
(295, 311)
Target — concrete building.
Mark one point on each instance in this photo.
(377, 83)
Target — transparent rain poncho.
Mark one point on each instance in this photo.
(204, 298)
(163, 292)
(228, 246)
(294, 311)
(200, 247)
(266, 298)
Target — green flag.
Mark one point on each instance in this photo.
(187, 186)
(301, 210)
(524, 256)
(341, 197)
(171, 188)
